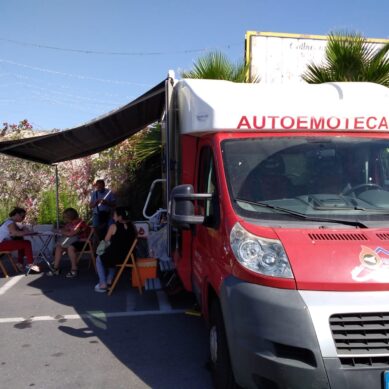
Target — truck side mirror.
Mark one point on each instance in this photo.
(182, 207)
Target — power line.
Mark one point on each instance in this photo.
(72, 75)
(66, 95)
(119, 53)
(104, 92)
(36, 96)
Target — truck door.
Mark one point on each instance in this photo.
(206, 237)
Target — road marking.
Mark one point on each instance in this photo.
(164, 304)
(89, 315)
(13, 281)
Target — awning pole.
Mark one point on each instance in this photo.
(57, 194)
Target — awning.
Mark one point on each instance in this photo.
(92, 137)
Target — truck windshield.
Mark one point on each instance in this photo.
(345, 178)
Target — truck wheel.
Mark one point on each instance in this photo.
(222, 375)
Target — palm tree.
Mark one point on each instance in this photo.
(350, 57)
(149, 144)
(216, 66)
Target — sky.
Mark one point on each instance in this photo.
(66, 62)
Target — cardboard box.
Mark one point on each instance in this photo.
(147, 268)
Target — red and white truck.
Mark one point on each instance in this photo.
(279, 224)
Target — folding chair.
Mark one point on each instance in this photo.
(88, 248)
(128, 262)
(8, 255)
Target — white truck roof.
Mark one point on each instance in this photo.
(214, 105)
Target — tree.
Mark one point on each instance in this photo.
(350, 57)
(216, 66)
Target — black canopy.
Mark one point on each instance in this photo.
(89, 138)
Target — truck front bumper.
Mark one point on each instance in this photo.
(274, 342)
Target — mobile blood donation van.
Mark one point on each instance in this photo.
(279, 216)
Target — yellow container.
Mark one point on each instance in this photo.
(147, 268)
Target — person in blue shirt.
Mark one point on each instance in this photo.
(102, 202)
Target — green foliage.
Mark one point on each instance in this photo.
(148, 145)
(48, 208)
(134, 191)
(140, 166)
(216, 66)
(350, 57)
(5, 208)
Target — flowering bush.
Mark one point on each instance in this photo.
(22, 181)
(76, 178)
(12, 130)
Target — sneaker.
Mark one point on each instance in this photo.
(33, 268)
(72, 274)
(53, 272)
(100, 290)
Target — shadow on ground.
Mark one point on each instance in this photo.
(160, 347)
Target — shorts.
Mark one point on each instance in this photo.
(78, 245)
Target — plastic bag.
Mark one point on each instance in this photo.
(103, 245)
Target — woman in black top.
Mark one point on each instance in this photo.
(121, 235)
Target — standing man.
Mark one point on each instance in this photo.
(102, 203)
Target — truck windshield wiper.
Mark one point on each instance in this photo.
(302, 215)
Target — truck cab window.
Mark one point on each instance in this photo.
(207, 184)
(341, 177)
(384, 164)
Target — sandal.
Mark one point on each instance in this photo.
(32, 268)
(72, 274)
(100, 290)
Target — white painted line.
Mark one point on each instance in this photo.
(164, 304)
(91, 315)
(12, 320)
(13, 281)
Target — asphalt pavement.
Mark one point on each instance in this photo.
(58, 333)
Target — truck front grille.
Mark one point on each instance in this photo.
(341, 236)
(361, 339)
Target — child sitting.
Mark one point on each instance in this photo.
(74, 230)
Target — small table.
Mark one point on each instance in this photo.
(45, 237)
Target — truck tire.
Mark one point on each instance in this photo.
(222, 375)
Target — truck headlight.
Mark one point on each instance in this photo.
(261, 255)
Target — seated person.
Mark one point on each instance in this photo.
(11, 239)
(74, 230)
(121, 236)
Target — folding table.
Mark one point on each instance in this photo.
(43, 255)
